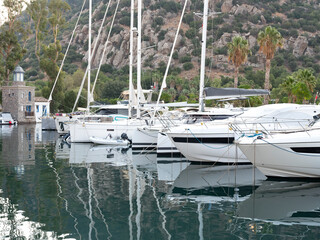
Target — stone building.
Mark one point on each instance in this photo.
(18, 99)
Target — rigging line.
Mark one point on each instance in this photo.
(164, 84)
(94, 50)
(50, 164)
(65, 55)
(105, 48)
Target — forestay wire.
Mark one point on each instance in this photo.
(65, 55)
(94, 50)
(104, 50)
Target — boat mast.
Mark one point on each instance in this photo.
(131, 91)
(139, 59)
(203, 55)
(89, 55)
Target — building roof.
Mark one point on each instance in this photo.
(18, 69)
(40, 99)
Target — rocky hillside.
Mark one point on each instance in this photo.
(298, 22)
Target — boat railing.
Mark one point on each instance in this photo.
(270, 127)
(166, 122)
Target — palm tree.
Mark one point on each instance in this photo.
(287, 87)
(269, 40)
(238, 51)
(306, 76)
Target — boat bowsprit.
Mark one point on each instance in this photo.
(123, 141)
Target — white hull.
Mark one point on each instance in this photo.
(285, 155)
(108, 141)
(208, 145)
(166, 149)
(145, 138)
(213, 141)
(81, 132)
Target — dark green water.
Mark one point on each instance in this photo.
(51, 190)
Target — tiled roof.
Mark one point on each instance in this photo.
(40, 99)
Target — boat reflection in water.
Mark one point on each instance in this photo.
(169, 171)
(144, 160)
(284, 203)
(86, 192)
(202, 176)
(84, 153)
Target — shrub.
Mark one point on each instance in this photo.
(187, 66)
(161, 35)
(125, 21)
(191, 33)
(185, 59)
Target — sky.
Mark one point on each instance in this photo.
(3, 14)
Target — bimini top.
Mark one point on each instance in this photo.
(220, 93)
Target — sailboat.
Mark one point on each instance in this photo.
(82, 131)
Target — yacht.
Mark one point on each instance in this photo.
(165, 148)
(287, 154)
(213, 141)
(104, 113)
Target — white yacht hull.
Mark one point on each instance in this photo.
(82, 131)
(295, 155)
(205, 145)
(166, 150)
(145, 138)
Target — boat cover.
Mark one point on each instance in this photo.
(220, 93)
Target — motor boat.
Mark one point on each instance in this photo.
(213, 141)
(123, 141)
(287, 154)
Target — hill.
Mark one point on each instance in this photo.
(297, 21)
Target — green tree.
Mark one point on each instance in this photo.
(269, 40)
(299, 86)
(11, 51)
(306, 76)
(287, 87)
(38, 13)
(52, 52)
(238, 51)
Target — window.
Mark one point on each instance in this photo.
(37, 106)
(29, 96)
(28, 108)
(44, 111)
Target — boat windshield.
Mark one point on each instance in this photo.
(196, 118)
(111, 111)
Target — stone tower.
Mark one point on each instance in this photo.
(18, 99)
